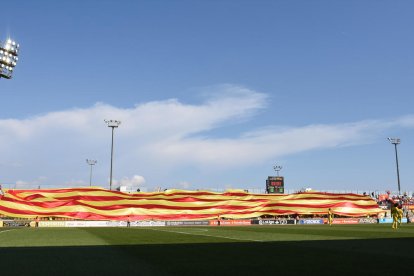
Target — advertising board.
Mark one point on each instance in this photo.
(147, 223)
(16, 223)
(367, 220)
(311, 221)
(389, 220)
(51, 223)
(231, 222)
(187, 223)
(97, 223)
(345, 221)
(273, 221)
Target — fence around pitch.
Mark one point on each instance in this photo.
(252, 190)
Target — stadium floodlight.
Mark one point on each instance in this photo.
(9, 52)
(91, 163)
(277, 169)
(112, 124)
(395, 142)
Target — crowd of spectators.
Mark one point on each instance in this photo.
(387, 200)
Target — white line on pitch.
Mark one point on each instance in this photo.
(195, 234)
(6, 231)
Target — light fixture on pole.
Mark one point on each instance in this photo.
(395, 142)
(277, 169)
(112, 124)
(90, 163)
(9, 52)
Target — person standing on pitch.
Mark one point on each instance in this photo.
(128, 221)
(330, 217)
(394, 215)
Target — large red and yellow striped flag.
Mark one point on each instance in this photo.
(100, 204)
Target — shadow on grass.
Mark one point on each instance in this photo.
(338, 257)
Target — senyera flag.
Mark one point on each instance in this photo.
(95, 203)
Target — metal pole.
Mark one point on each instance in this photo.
(112, 124)
(112, 155)
(398, 170)
(90, 177)
(90, 162)
(277, 169)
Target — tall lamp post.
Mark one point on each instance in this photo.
(395, 142)
(112, 124)
(91, 163)
(277, 169)
(9, 52)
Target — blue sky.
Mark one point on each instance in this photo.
(211, 94)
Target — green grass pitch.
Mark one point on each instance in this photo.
(248, 250)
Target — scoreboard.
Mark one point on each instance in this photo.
(275, 185)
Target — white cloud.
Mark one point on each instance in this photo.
(135, 181)
(21, 184)
(265, 144)
(183, 185)
(75, 183)
(162, 134)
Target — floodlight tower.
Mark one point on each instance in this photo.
(9, 52)
(112, 124)
(91, 163)
(395, 142)
(277, 169)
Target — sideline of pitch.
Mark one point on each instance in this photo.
(206, 235)
(6, 231)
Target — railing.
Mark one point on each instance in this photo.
(218, 190)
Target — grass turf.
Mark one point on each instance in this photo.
(249, 250)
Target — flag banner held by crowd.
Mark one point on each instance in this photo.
(95, 203)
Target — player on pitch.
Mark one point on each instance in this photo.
(400, 215)
(330, 217)
(394, 214)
